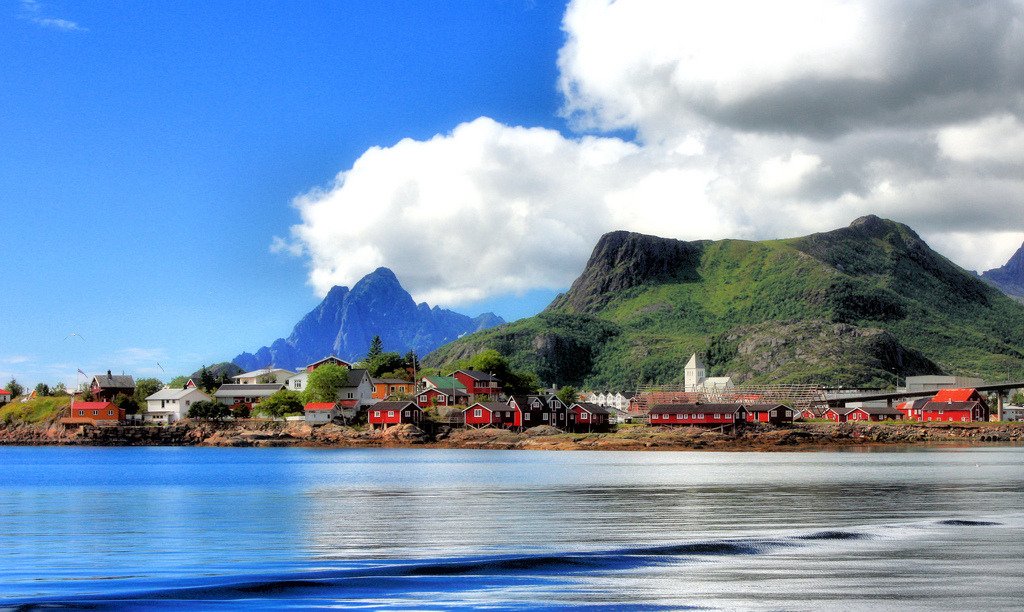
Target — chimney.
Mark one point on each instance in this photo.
(108, 375)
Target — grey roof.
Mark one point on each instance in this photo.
(451, 392)
(695, 408)
(114, 381)
(764, 407)
(248, 390)
(478, 375)
(524, 401)
(356, 376)
(173, 394)
(394, 406)
(592, 408)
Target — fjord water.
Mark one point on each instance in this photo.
(201, 528)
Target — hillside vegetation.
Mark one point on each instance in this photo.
(38, 410)
(855, 306)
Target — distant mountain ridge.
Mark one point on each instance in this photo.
(1009, 277)
(857, 306)
(345, 322)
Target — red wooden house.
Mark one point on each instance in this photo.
(493, 414)
(584, 416)
(774, 414)
(955, 412)
(479, 384)
(956, 405)
(5, 396)
(697, 414)
(105, 387)
(438, 397)
(94, 413)
(911, 409)
(386, 414)
(862, 413)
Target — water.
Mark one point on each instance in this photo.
(198, 528)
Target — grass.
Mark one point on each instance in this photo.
(33, 411)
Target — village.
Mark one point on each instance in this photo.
(473, 399)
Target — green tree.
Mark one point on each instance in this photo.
(376, 348)
(144, 387)
(178, 382)
(206, 380)
(42, 390)
(60, 389)
(513, 382)
(222, 380)
(1017, 399)
(384, 362)
(324, 383)
(282, 403)
(127, 402)
(205, 409)
(14, 388)
(568, 395)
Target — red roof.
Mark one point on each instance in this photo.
(320, 406)
(349, 403)
(4, 392)
(954, 395)
(93, 405)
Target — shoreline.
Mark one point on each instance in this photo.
(809, 437)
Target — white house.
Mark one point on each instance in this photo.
(359, 390)
(298, 382)
(264, 376)
(170, 405)
(321, 413)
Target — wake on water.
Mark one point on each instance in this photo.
(381, 582)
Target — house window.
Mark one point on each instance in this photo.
(391, 413)
(544, 417)
(81, 413)
(526, 417)
(110, 413)
(376, 414)
(583, 416)
(718, 416)
(700, 415)
(679, 417)
(408, 413)
(95, 413)
(478, 413)
(774, 413)
(349, 396)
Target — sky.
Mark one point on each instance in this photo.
(179, 183)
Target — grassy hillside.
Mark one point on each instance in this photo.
(38, 410)
(856, 306)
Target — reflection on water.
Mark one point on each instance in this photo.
(440, 528)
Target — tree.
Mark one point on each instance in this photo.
(282, 403)
(144, 387)
(14, 388)
(60, 389)
(205, 409)
(126, 402)
(568, 395)
(513, 382)
(1018, 399)
(376, 348)
(206, 380)
(324, 383)
(42, 390)
(178, 382)
(384, 362)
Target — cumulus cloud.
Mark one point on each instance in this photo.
(752, 120)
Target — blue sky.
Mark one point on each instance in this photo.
(181, 182)
(150, 156)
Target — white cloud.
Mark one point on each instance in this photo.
(32, 10)
(753, 120)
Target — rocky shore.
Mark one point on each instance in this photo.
(254, 433)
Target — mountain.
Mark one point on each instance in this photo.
(859, 305)
(1009, 278)
(347, 320)
(225, 368)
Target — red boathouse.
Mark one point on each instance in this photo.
(386, 414)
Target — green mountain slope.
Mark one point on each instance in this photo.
(855, 306)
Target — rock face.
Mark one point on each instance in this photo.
(347, 320)
(856, 306)
(622, 260)
(1010, 277)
